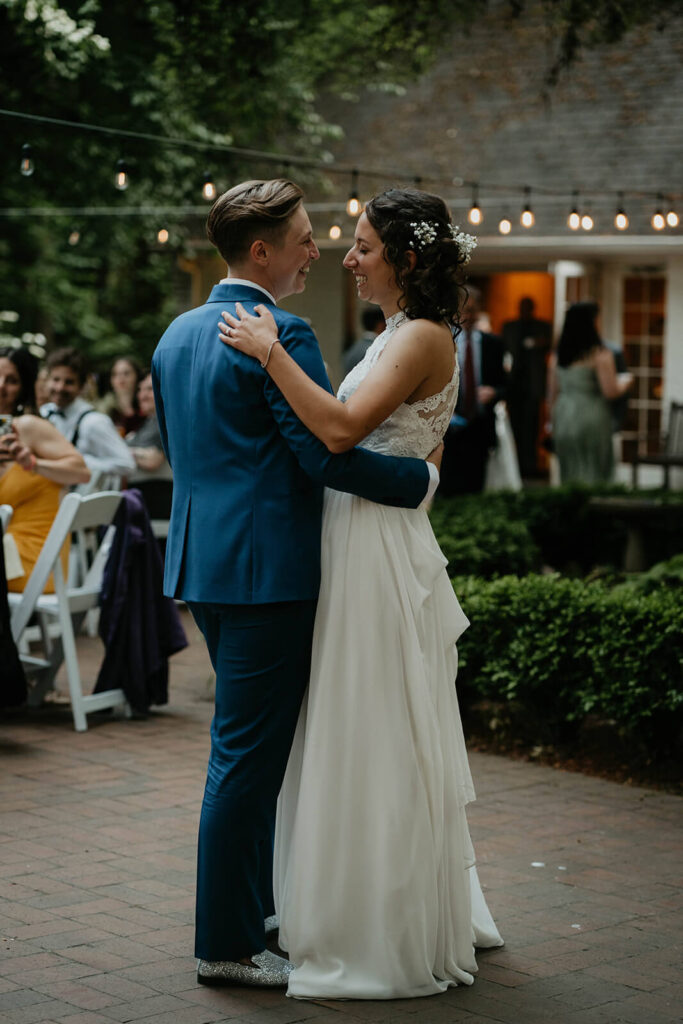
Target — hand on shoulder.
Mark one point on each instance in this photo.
(255, 335)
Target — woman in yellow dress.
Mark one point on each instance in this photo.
(36, 462)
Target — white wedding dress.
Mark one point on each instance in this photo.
(375, 881)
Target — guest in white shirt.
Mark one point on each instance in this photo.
(91, 432)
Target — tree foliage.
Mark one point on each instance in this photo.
(245, 74)
(585, 23)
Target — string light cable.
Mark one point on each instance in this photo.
(30, 157)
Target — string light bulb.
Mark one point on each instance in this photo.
(620, 218)
(658, 222)
(74, 236)
(587, 222)
(121, 176)
(475, 216)
(27, 167)
(353, 205)
(505, 225)
(574, 218)
(162, 236)
(672, 218)
(527, 220)
(208, 188)
(335, 232)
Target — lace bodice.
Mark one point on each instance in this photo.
(414, 429)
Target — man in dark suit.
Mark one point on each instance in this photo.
(472, 432)
(528, 340)
(243, 551)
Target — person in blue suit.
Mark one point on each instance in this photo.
(243, 551)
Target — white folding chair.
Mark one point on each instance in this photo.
(157, 494)
(83, 545)
(99, 481)
(12, 559)
(69, 604)
(6, 513)
(160, 528)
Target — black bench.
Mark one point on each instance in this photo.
(641, 516)
(671, 452)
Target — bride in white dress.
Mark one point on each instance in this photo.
(375, 882)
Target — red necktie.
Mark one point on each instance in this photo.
(470, 402)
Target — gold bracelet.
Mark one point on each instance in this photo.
(272, 346)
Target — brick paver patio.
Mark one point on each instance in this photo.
(97, 855)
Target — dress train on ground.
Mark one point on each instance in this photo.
(375, 881)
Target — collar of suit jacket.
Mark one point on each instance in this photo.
(238, 290)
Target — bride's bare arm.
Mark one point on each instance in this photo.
(405, 364)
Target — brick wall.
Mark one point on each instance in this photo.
(485, 112)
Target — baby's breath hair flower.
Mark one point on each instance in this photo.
(466, 243)
(425, 232)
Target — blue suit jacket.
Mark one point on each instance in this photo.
(248, 476)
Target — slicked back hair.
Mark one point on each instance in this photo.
(250, 211)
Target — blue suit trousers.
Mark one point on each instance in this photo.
(261, 655)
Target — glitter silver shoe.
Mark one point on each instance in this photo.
(271, 971)
(271, 924)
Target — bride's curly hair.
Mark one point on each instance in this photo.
(408, 219)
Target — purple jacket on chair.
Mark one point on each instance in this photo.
(139, 626)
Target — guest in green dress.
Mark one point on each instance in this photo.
(583, 382)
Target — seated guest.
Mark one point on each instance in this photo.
(41, 392)
(145, 442)
(36, 462)
(121, 403)
(153, 476)
(91, 432)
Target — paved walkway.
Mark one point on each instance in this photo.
(97, 852)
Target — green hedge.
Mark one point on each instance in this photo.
(664, 574)
(482, 538)
(548, 651)
(516, 532)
